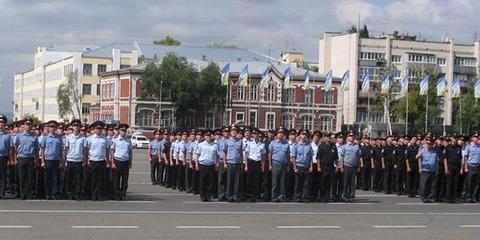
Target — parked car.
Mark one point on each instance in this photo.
(140, 141)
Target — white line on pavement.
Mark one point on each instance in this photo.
(208, 227)
(308, 227)
(417, 203)
(413, 226)
(345, 203)
(132, 201)
(160, 194)
(6, 226)
(105, 227)
(470, 226)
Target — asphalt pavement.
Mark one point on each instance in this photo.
(153, 212)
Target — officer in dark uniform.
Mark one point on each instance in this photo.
(315, 175)
(388, 162)
(6, 154)
(452, 163)
(400, 170)
(411, 164)
(439, 180)
(366, 171)
(169, 165)
(337, 186)
(292, 141)
(377, 170)
(267, 173)
(327, 158)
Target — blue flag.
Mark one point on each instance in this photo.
(265, 78)
(366, 83)
(243, 78)
(405, 82)
(441, 86)
(287, 81)
(345, 86)
(225, 74)
(424, 85)
(456, 88)
(476, 89)
(328, 81)
(385, 88)
(306, 85)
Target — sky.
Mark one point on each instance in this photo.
(261, 25)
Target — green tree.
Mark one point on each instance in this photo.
(209, 83)
(466, 117)
(363, 32)
(169, 41)
(314, 68)
(352, 29)
(222, 45)
(36, 121)
(69, 97)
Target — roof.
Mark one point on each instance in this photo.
(71, 47)
(106, 51)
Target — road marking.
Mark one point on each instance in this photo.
(308, 227)
(130, 201)
(413, 226)
(194, 202)
(105, 227)
(417, 203)
(345, 203)
(6, 226)
(469, 226)
(208, 227)
(159, 194)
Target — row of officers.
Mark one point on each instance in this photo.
(238, 164)
(72, 161)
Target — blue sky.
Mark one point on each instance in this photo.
(256, 24)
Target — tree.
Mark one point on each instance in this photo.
(222, 45)
(69, 97)
(352, 29)
(169, 41)
(314, 68)
(466, 117)
(363, 32)
(209, 83)
(35, 120)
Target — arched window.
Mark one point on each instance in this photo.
(145, 118)
(287, 121)
(326, 123)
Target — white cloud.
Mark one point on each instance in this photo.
(416, 10)
(348, 11)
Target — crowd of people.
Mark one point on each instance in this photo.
(56, 160)
(238, 164)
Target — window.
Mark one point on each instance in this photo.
(396, 59)
(209, 120)
(253, 92)
(253, 118)
(240, 93)
(288, 95)
(442, 61)
(190, 119)
(361, 116)
(270, 121)
(326, 123)
(438, 121)
(229, 117)
(327, 97)
(465, 62)
(239, 117)
(270, 93)
(87, 69)
(307, 96)
(87, 89)
(287, 121)
(371, 55)
(85, 109)
(364, 70)
(166, 118)
(67, 69)
(101, 68)
(418, 57)
(123, 66)
(429, 59)
(307, 121)
(37, 105)
(146, 117)
(98, 89)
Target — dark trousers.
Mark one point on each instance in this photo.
(233, 181)
(267, 183)
(366, 176)
(452, 180)
(412, 182)
(438, 189)
(3, 175)
(206, 173)
(12, 179)
(155, 169)
(349, 176)
(254, 178)
(51, 177)
(400, 180)
(290, 181)
(188, 176)
(473, 179)
(180, 175)
(279, 188)
(377, 175)
(243, 183)
(171, 176)
(337, 186)
(388, 179)
(87, 182)
(161, 172)
(222, 182)
(38, 180)
(120, 178)
(109, 191)
(25, 174)
(426, 182)
(315, 180)
(74, 179)
(302, 183)
(326, 186)
(98, 170)
(196, 182)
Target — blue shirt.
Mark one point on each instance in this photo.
(472, 152)
(351, 154)
(121, 147)
(191, 150)
(207, 153)
(302, 152)
(75, 145)
(221, 147)
(255, 150)
(97, 148)
(234, 151)
(52, 146)
(6, 142)
(280, 151)
(429, 160)
(26, 144)
(155, 147)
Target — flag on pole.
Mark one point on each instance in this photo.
(385, 88)
(306, 85)
(366, 83)
(345, 81)
(225, 74)
(265, 78)
(405, 81)
(287, 74)
(477, 88)
(441, 86)
(243, 78)
(456, 88)
(424, 85)
(328, 81)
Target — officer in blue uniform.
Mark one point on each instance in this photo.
(76, 159)
(6, 154)
(350, 159)
(472, 167)
(98, 149)
(206, 158)
(428, 168)
(302, 165)
(254, 165)
(154, 155)
(121, 157)
(221, 170)
(52, 152)
(27, 149)
(234, 159)
(279, 158)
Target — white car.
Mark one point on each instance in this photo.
(140, 141)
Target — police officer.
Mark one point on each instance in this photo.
(98, 149)
(121, 157)
(400, 156)
(6, 154)
(428, 167)
(366, 171)
(27, 149)
(279, 158)
(267, 173)
(154, 155)
(350, 159)
(301, 157)
(206, 159)
(452, 163)
(254, 165)
(315, 174)
(221, 170)
(234, 159)
(327, 158)
(388, 162)
(337, 187)
(76, 159)
(411, 164)
(195, 174)
(472, 167)
(169, 162)
(52, 152)
(292, 141)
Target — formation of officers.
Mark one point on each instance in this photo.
(238, 164)
(56, 160)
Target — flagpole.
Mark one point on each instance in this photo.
(226, 106)
(368, 112)
(249, 101)
(461, 118)
(406, 117)
(426, 114)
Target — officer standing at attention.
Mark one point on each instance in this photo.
(98, 149)
(315, 174)
(206, 159)
(278, 158)
(221, 171)
(75, 152)
(154, 156)
(327, 157)
(366, 171)
(254, 165)
(234, 159)
(52, 153)
(27, 149)
(301, 157)
(472, 167)
(411, 163)
(452, 164)
(350, 157)
(428, 167)
(121, 157)
(388, 161)
(6, 154)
